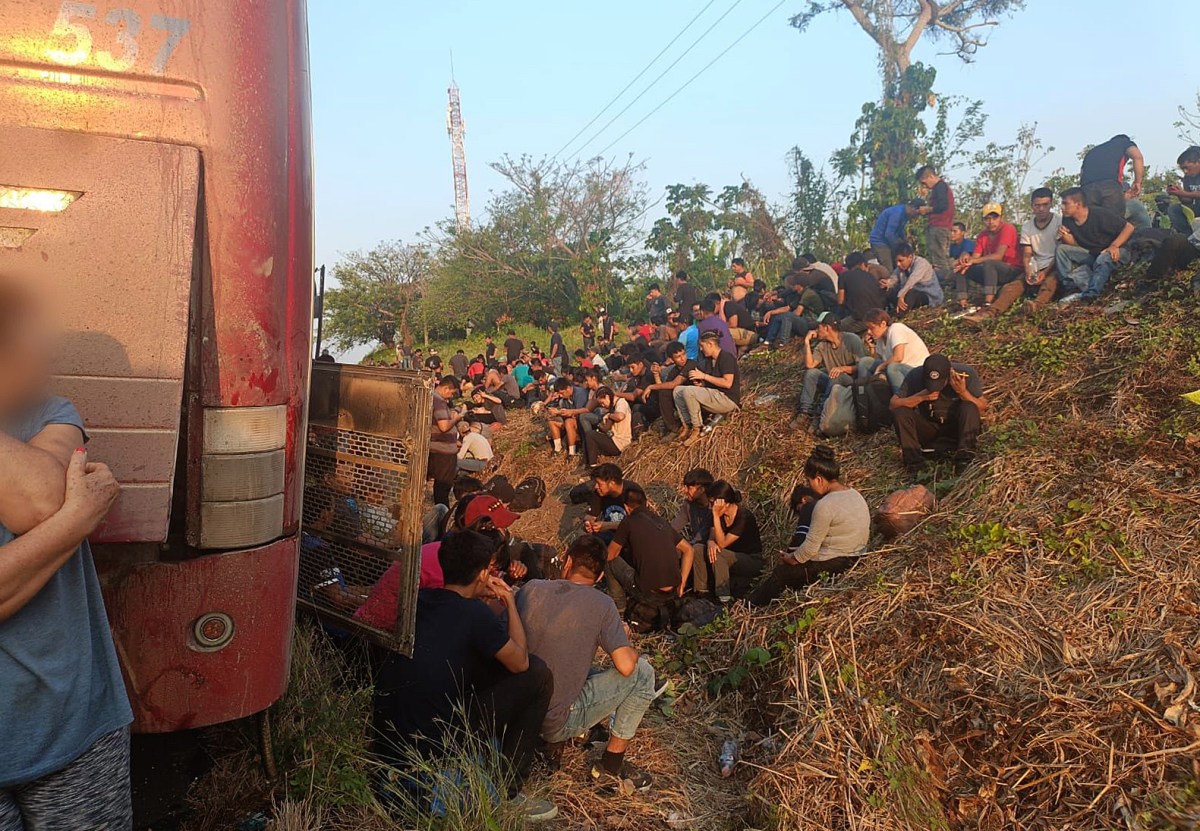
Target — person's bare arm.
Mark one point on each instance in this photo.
(911, 402)
(1114, 250)
(614, 550)
(33, 475)
(958, 381)
(28, 562)
(1139, 170)
(514, 655)
(625, 659)
(685, 564)
(723, 382)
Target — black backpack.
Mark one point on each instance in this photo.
(872, 399)
(529, 494)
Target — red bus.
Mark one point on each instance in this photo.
(156, 168)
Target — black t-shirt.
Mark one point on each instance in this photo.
(433, 362)
(587, 330)
(609, 508)
(672, 371)
(656, 308)
(513, 348)
(455, 654)
(557, 348)
(606, 328)
(745, 528)
(649, 542)
(685, 298)
(1106, 162)
(1101, 229)
(862, 292)
(939, 410)
(736, 308)
(639, 382)
(489, 354)
(725, 364)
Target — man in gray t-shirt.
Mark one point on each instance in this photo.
(565, 621)
(831, 357)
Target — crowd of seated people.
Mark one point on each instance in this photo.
(517, 663)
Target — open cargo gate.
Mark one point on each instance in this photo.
(367, 447)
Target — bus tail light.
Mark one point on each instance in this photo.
(242, 476)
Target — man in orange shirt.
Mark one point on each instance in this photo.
(997, 257)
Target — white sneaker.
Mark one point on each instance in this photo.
(536, 810)
(1071, 298)
(961, 313)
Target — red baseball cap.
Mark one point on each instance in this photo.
(492, 508)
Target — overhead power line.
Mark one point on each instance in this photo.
(662, 74)
(689, 81)
(636, 78)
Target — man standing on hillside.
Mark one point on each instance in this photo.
(513, 347)
(566, 621)
(459, 364)
(489, 351)
(940, 215)
(442, 465)
(1091, 245)
(656, 304)
(997, 257)
(558, 350)
(1103, 173)
(890, 229)
(685, 296)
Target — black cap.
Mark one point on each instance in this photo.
(937, 373)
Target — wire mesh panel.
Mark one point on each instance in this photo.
(364, 485)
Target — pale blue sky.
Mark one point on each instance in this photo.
(532, 74)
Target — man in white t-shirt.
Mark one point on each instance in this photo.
(615, 431)
(474, 450)
(898, 349)
(1039, 239)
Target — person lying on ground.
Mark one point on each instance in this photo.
(1039, 244)
(898, 349)
(614, 433)
(831, 356)
(733, 551)
(649, 562)
(665, 381)
(833, 527)
(486, 408)
(939, 408)
(996, 261)
(916, 283)
(1187, 192)
(566, 621)
(712, 388)
(464, 662)
(1091, 246)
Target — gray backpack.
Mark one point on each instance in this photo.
(837, 414)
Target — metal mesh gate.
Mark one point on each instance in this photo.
(364, 485)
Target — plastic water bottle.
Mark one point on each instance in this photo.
(728, 758)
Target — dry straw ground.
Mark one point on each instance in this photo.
(1025, 659)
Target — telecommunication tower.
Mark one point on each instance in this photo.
(458, 151)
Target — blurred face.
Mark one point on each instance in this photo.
(956, 234)
(739, 269)
(693, 493)
(26, 347)
(679, 358)
(819, 485)
(1071, 208)
(604, 401)
(992, 222)
(928, 180)
(1042, 208)
(1190, 168)
(605, 488)
(695, 311)
(637, 367)
(826, 332)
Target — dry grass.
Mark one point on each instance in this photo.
(1025, 659)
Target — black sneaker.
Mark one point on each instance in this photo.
(630, 779)
(962, 461)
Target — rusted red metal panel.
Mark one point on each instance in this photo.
(172, 682)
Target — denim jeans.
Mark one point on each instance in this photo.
(895, 373)
(623, 699)
(1087, 273)
(784, 326)
(815, 388)
(692, 402)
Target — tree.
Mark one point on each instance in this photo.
(1188, 124)
(809, 208)
(375, 295)
(559, 238)
(897, 26)
(1002, 174)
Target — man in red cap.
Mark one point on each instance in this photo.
(940, 408)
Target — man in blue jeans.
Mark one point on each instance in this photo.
(565, 621)
(1091, 244)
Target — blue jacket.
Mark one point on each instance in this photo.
(889, 227)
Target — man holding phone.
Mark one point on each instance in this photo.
(939, 408)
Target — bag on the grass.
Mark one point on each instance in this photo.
(837, 414)
(901, 511)
(872, 399)
(697, 611)
(580, 494)
(499, 487)
(529, 494)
